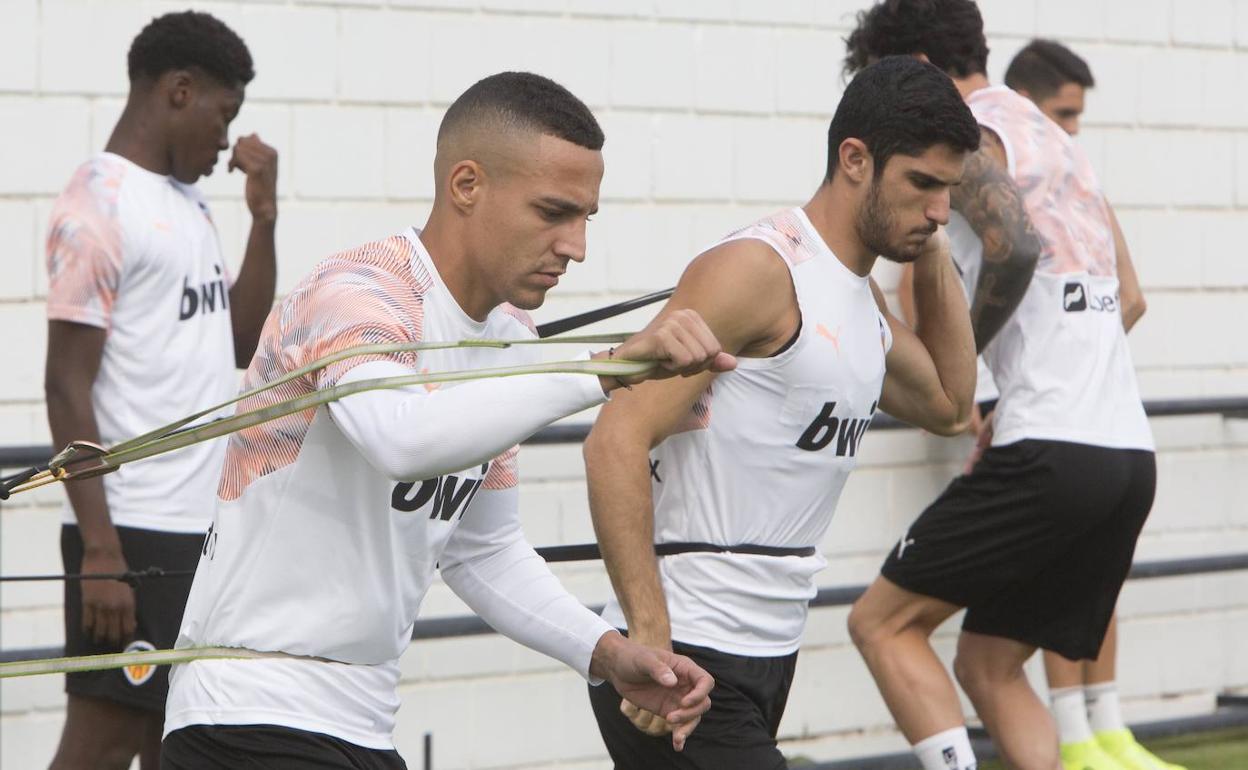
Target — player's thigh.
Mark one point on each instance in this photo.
(1017, 512)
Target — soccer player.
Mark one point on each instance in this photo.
(331, 522)
(1055, 78)
(735, 476)
(145, 325)
(1084, 695)
(1036, 541)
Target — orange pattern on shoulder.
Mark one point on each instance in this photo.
(786, 234)
(369, 295)
(84, 246)
(1060, 190)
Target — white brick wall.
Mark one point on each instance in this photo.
(716, 112)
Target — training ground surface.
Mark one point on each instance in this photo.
(1221, 750)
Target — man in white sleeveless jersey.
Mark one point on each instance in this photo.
(331, 522)
(732, 479)
(1037, 540)
(1084, 694)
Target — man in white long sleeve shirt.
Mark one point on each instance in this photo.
(331, 522)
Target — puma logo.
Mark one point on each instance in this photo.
(834, 338)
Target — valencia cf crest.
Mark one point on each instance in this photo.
(140, 673)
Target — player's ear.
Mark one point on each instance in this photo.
(465, 182)
(854, 160)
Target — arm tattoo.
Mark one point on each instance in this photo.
(993, 206)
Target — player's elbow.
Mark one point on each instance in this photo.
(951, 428)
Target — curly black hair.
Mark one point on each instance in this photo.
(949, 32)
(528, 100)
(1044, 66)
(190, 39)
(901, 106)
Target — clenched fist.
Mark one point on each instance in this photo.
(259, 162)
(680, 343)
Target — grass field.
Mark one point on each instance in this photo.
(1221, 750)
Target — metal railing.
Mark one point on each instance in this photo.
(22, 456)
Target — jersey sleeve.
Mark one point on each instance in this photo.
(349, 308)
(84, 252)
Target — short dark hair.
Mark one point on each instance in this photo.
(190, 39)
(1044, 66)
(949, 32)
(525, 100)
(900, 105)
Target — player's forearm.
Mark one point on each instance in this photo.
(620, 503)
(499, 575)
(412, 434)
(251, 296)
(72, 418)
(944, 327)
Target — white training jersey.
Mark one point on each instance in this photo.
(763, 456)
(317, 551)
(136, 253)
(1061, 361)
(968, 253)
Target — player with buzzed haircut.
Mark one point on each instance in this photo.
(324, 544)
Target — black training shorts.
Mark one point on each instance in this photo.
(159, 603)
(231, 747)
(1035, 542)
(738, 733)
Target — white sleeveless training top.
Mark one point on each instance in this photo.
(1061, 361)
(763, 456)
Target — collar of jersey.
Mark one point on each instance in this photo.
(825, 249)
(466, 322)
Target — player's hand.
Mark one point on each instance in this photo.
(649, 723)
(108, 614)
(983, 440)
(680, 343)
(661, 682)
(937, 246)
(259, 162)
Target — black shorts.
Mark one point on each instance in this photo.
(268, 747)
(739, 731)
(1035, 542)
(159, 603)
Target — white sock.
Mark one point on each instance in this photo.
(1104, 710)
(949, 750)
(1071, 714)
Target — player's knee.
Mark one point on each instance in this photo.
(866, 628)
(980, 673)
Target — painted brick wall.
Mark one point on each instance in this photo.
(715, 112)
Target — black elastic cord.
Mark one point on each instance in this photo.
(590, 551)
(132, 577)
(551, 328)
(8, 483)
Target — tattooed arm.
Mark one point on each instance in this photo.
(993, 206)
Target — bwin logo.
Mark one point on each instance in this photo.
(449, 494)
(203, 298)
(1074, 298)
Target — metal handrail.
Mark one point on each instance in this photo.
(21, 456)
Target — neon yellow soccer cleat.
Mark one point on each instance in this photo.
(1088, 755)
(1122, 746)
